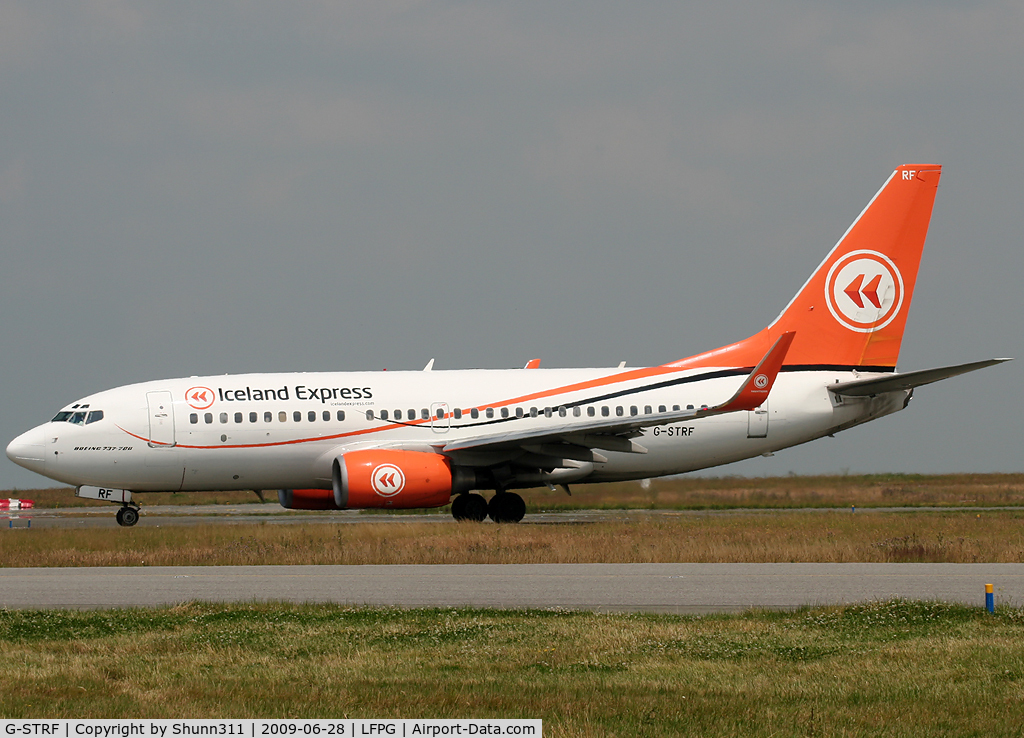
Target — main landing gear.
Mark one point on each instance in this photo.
(504, 507)
(128, 515)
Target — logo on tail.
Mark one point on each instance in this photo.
(864, 291)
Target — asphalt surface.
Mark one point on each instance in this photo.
(272, 513)
(659, 588)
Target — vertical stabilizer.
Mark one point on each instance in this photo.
(852, 311)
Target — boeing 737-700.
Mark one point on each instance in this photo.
(333, 441)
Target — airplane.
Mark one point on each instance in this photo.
(421, 439)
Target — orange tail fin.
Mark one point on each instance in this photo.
(852, 311)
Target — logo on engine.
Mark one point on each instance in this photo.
(387, 480)
(864, 291)
(200, 397)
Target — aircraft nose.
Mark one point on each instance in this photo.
(27, 449)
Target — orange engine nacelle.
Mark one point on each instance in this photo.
(395, 479)
(384, 478)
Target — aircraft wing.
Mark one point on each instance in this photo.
(907, 380)
(613, 434)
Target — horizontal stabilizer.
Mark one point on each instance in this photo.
(908, 380)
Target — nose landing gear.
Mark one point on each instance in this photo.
(128, 515)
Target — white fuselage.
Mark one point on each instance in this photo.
(277, 431)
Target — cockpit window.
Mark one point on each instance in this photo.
(77, 417)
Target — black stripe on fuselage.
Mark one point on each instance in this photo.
(739, 371)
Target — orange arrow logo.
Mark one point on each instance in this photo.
(870, 291)
(200, 397)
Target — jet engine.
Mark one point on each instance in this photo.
(384, 478)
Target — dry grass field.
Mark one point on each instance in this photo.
(807, 536)
(683, 493)
(880, 669)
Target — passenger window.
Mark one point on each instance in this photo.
(424, 413)
(208, 417)
(398, 414)
(474, 413)
(327, 415)
(252, 417)
(504, 412)
(561, 411)
(489, 412)
(440, 413)
(193, 418)
(369, 414)
(591, 411)
(458, 413)
(297, 416)
(383, 414)
(282, 417)
(604, 410)
(238, 417)
(268, 417)
(647, 410)
(661, 408)
(577, 411)
(533, 412)
(633, 410)
(547, 412)
(223, 417)
(411, 414)
(618, 410)
(341, 415)
(312, 416)
(519, 412)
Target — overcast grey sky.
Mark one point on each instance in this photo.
(197, 188)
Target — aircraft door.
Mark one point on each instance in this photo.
(440, 417)
(757, 422)
(161, 420)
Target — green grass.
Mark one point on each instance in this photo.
(893, 668)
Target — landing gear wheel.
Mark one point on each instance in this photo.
(506, 507)
(469, 507)
(127, 517)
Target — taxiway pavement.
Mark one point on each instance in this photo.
(671, 588)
